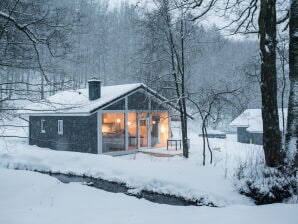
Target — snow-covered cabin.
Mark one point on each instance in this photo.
(249, 125)
(114, 120)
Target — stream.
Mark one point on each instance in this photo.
(116, 187)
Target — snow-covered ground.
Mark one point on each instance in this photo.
(175, 175)
(33, 198)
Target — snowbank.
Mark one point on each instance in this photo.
(33, 198)
(176, 176)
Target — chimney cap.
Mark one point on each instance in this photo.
(94, 79)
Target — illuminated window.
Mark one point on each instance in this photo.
(132, 131)
(113, 132)
(159, 129)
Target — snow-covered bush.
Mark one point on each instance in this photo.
(264, 184)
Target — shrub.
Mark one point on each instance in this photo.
(264, 184)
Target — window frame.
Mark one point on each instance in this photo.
(60, 127)
(42, 126)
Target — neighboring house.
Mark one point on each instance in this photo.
(249, 125)
(115, 120)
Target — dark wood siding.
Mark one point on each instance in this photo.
(257, 138)
(79, 133)
(244, 136)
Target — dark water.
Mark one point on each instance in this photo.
(116, 187)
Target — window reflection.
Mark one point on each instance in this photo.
(113, 132)
(159, 129)
(132, 131)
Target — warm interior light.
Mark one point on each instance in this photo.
(106, 128)
(118, 120)
(153, 122)
(128, 123)
(162, 129)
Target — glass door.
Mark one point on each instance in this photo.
(143, 124)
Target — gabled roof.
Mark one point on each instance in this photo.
(252, 120)
(77, 101)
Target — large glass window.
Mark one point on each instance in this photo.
(138, 101)
(113, 132)
(120, 105)
(159, 129)
(143, 115)
(132, 131)
(155, 131)
(143, 132)
(158, 106)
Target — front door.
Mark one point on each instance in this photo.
(143, 132)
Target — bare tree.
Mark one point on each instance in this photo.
(173, 30)
(210, 104)
(26, 29)
(245, 22)
(178, 25)
(282, 51)
(33, 38)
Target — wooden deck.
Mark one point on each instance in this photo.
(158, 154)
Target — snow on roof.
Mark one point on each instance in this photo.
(244, 119)
(252, 119)
(77, 101)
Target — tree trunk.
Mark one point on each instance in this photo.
(0, 96)
(204, 145)
(27, 82)
(292, 123)
(271, 132)
(42, 88)
(183, 92)
(179, 77)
